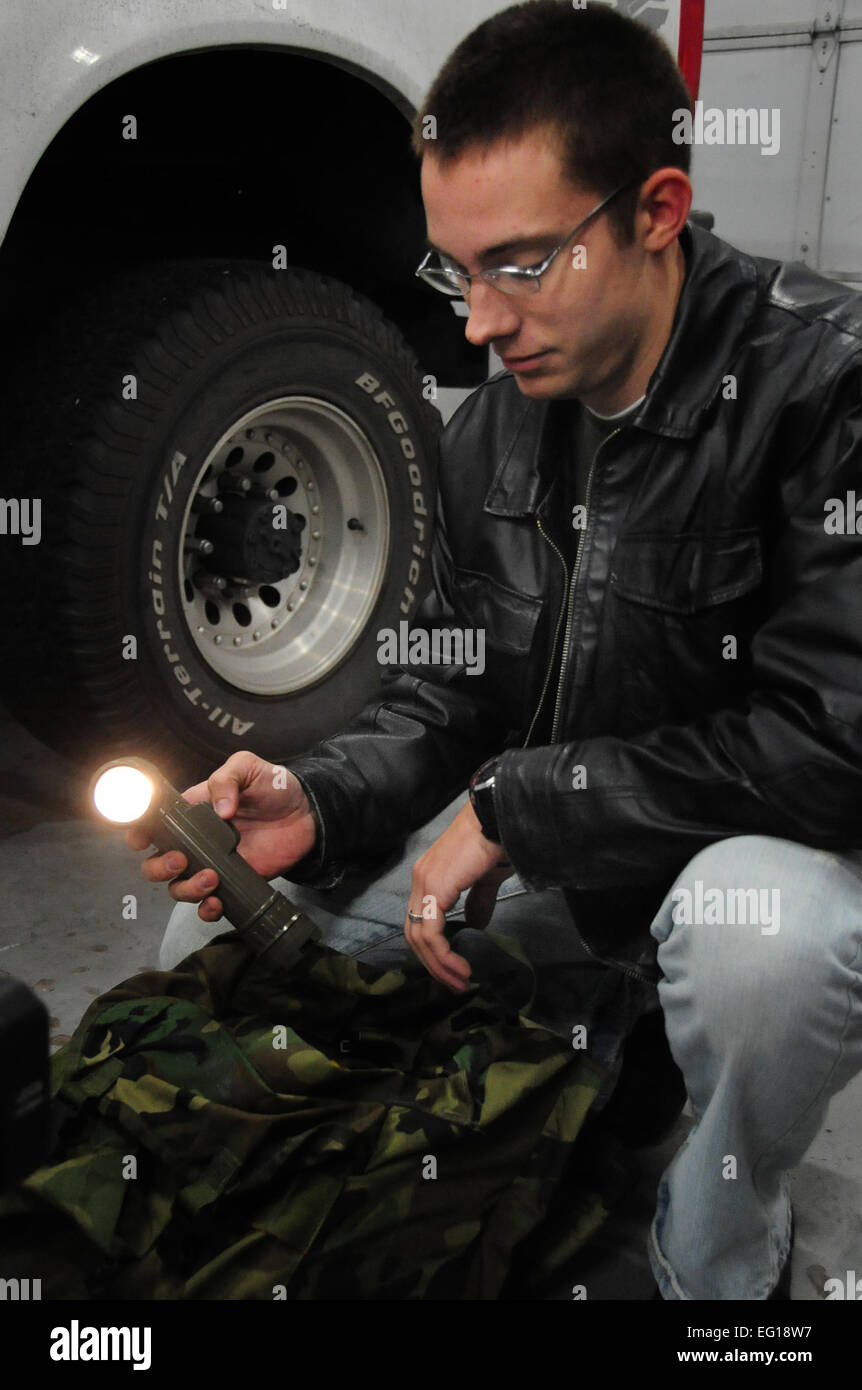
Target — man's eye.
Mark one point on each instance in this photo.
(526, 261)
(516, 267)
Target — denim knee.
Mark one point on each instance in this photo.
(761, 931)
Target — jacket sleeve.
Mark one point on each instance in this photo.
(406, 754)
(786, 763)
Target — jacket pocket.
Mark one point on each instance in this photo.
(687, 573)
(680, 622)
(507, 617)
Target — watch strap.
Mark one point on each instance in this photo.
(482, 786)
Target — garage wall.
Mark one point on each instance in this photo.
(802, 58)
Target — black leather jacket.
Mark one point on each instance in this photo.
(712, 676)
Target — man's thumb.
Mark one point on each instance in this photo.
(224, 795)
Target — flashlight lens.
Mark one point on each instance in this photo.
(123, 794)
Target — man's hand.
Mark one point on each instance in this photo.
(461, 858)
(276, 828)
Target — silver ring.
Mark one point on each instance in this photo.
(415, 916)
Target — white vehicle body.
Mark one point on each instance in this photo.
(53, 58)
(800, 57)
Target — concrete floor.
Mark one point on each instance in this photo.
(64, 878)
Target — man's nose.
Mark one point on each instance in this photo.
(493, 314)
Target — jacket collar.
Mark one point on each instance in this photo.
(718, 299)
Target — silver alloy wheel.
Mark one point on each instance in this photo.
(312, 464)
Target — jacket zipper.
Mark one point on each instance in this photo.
(560, 616)
(567, 608)
(570, 603)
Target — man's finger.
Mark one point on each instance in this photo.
(446, 976)
(225, 786)
(136, 839)
(435, 953)
(431, 931)
(199, 792)
(445, 957)
(223, 791)
(160, 868)
(194, 890)
(211, 909)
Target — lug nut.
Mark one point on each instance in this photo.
(211, 505)
(202, 580)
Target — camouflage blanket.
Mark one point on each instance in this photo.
(341, 1133)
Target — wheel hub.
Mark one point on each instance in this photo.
(276, 593)
(254, 540)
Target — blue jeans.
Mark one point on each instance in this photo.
(763, 1015)
(764, 1018)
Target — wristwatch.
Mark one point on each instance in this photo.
(482, 785)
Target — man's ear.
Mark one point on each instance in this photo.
(663, 208)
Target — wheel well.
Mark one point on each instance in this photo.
(236, 151)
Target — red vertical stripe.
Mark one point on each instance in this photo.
(691, 43)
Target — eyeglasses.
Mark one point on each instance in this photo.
(443, 274)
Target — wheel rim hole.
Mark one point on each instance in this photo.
(234, 457)
(189, 589)
(212, 611)
(270, 596)
(242, 615)
(263, 462)
(286, 486)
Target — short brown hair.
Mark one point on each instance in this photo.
(607, 85)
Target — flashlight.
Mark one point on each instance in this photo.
(131, 791)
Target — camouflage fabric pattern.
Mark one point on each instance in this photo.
(304, 1170)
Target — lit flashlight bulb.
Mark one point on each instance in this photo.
(123, 794)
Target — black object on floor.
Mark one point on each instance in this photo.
(650, 1092)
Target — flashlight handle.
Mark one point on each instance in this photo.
(262, 915)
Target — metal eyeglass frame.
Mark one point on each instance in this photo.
(518, 279)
